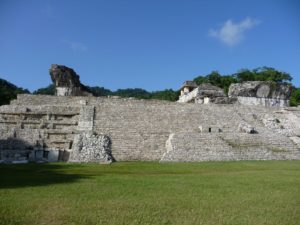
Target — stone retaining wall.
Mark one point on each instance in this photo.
(139, 129)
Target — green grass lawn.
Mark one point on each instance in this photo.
(249, 192)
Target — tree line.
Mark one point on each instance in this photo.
(9, 91)
(139, 93)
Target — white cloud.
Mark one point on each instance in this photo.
(233, 33)
(75, 46)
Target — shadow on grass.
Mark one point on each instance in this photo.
(31, 175)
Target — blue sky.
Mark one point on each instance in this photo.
(153, 44)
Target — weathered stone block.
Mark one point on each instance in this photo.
(91, 147)
(39, 154)
(246, 128)
(67, 82)
(53, 155)
(265, 93)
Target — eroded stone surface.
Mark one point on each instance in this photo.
(66, 81)
(246, 128)
(91, 147)
(204, 94)
(265, 93)
(33, 126)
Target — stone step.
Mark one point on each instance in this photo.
(238, 146)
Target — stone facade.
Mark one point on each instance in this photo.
(264, 93)
(202, 94)
(60, 128)
(91, 147)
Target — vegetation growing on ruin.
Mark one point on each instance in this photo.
(295, 97)
(168, 94)
(261, 192)
(258, 74)
(49, 90)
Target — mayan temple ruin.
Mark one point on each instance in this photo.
(254, 122)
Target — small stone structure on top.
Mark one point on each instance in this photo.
(187, 87)
(202, 94)
(266, 93)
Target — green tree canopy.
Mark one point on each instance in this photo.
(49, 90)
(167, 94)
(258, 74)
(9, 91)
(99, 91)
(133, 92)
(295, 97)
(215, 78)
(263, 74)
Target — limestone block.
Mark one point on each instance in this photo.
(206, 100)
(63, 155)
(91, 147)
(31, 156)
(53, 155)
(265, 93)
(86, 118)
(39, 154)
(246, 128)
(19, 161)
(268, 102)
(64, 91)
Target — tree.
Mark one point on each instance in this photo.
(201, 79)
(167, 94)
(295, 97)
(226, 81)
(9, 91)
(133, 92)
(214, 78)
(99, 91)
(244, 75)
(263, 74)
(49, 90)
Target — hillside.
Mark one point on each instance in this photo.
(9, 91)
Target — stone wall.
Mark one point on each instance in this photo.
(187, 147)
(268, 102)
(266, 93)
(139, 129)
(37, 133)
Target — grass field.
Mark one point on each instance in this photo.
(230, 193)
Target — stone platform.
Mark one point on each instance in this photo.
(44, 128)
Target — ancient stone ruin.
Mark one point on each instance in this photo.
(103, 129)
(203, 94)
(67, 82)
(264, 93)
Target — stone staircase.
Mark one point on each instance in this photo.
(139, 129)
(189, 147)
